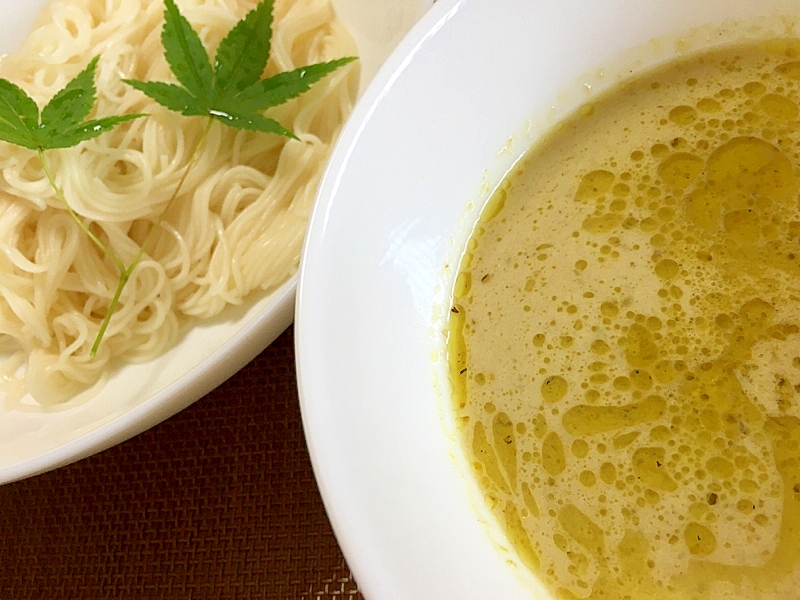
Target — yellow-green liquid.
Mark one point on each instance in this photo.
(625, 338)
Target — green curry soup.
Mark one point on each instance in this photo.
(625, 338)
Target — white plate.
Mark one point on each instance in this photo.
(141, 396)
(471, 88)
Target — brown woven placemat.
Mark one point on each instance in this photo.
(217, 502)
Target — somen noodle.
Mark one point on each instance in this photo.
(236, 227)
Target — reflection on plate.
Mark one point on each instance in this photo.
(139, 396)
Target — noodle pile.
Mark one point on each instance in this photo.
(236, 227)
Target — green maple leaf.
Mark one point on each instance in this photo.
(62, 123)
(231, 90)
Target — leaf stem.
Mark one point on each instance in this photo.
(74, 215)
(125, 273)
(192, 160)
(123, 279)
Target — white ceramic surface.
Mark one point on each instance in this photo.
(141, 396)
(470, 88)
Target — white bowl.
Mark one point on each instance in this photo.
(474, 84)
(140, 396)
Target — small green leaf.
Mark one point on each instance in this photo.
(185, 53)
(73, 104)
(87, 130)
(252, 122)
(243, 54)
(19, 116)
(284, 86)
(62, 124)
(232, 93)
(174, 97)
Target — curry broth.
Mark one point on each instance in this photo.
(625, 338)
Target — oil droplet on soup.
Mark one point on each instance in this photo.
(625, 338)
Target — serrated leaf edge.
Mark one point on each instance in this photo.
(265, 5)
(186, 37)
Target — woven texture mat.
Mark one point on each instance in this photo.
(217, 502)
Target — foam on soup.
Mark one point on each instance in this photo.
(625, 338)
